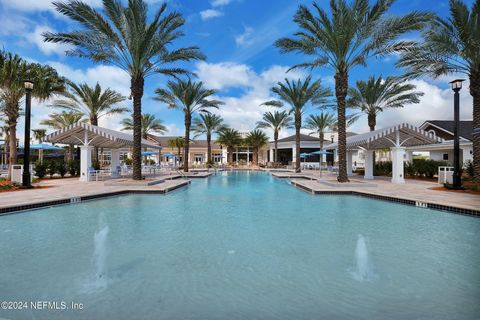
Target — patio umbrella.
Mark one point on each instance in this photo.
(168, 155)
(320, 152)
(149, 153)
(43, 146)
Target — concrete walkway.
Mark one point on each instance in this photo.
(416, 190)
(59, 189)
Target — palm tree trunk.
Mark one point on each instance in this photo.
(137, 85)
(209, 148)
(255, 156)
(298, 125)
(475, 92)
(320, 137)
(229, 155)
(372, 121)
(186, 148)
(341, 87)
(275, 154)
(94, 122)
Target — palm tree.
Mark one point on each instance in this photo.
(13, 71)
(298, 95)
(276, 121)
(93, 102)
(39, 134)
(61, 120)
(208, 124)
(149, 124)
(319, 125)
(375, 95)
(451, 46)
(190, 97)
(123, 36)
(256, 139)
(179, 143)
(344, 39)
(230, 138)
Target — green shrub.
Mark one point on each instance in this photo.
(383, 168)
(426, 167)
(40, 170)
(409, 169)
(128, 161)
(73, 167)
(51, 168)
(96, 165)
(468, 165)
(150, 162)
(62, 168)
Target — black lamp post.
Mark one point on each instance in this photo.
(457, 175)
(26, 180)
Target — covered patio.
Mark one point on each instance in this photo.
(88, 137)
(396, 138)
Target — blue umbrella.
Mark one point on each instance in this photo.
(43, 146)
(322, 152)
(200, 157)
(168, 155)
(304, 155)
(149, 153)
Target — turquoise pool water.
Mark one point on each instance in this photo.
(241, 246)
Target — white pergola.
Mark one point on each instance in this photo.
(88, 136)
(396, 138)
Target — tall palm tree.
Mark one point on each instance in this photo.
(13, 71)
(451, 46)
(256, 139)
(298, 95)
(190, 97)
(179, 143)
(149, 124)
(61, 120)
(208, 124)
(127, 38)
(93, 102)
(377, 94)
(276, 121)
(345, 39)
(230, 138)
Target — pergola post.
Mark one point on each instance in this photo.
(368, 164)
(294, 154)
(115, 163)
(397, 164)
(272, 154)
(349, 163)
(85, 161)
(408, 156)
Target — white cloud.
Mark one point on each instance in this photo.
(243, 111)
(436, 104)
(218, 3)
(210, 13)
(47, 48)
(108, 76)
(246, 38)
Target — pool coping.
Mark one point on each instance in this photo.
(411, 202)
(79, 199)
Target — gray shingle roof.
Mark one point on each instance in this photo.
(465, 128)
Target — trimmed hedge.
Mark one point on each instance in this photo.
(418, 167)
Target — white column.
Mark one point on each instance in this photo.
(115, 163)
(294, 153)
(224, 155)
(349, 163)
(85, 161)
(397, 154)
(368, 164)
(272, 154)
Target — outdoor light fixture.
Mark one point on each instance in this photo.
(26, 179)
(457, 84)
(457, 175)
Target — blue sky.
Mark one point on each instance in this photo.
(237, 37)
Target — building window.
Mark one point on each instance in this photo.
(445, 156)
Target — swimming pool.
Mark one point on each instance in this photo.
(241, 245)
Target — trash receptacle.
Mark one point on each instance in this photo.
(445, 175)
(17, 173)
